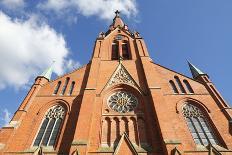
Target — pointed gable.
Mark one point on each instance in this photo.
(125, 146)
(121, 76)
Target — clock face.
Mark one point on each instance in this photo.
(122, 102)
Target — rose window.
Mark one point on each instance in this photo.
(122, 102)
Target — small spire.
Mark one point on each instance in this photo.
(48, 72)
(194, 70)
(117, 21)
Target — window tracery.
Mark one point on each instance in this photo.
(199, 127)
(50, 126)
(122, 102)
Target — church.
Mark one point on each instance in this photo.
(120, 103)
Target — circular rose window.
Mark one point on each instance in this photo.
(122, 102)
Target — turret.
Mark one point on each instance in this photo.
(203, 78)
(39, 82)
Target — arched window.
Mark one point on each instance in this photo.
(114, 51)
(57, 87)
(188, 86)
(125, 50)
(50, 127)
(199, 127)
(173, 86)
(71, 88)
(180, 84)
(65, 86)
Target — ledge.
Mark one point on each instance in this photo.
(12, 124)
(105, 149)
(202, 148)
(46, 149)
(79, 142)
(172, 141)
(90, 88)
(191, 94)
(154, 87)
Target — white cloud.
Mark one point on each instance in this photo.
(13, 4)
(104, 9)
(5, 117)
(28, 47)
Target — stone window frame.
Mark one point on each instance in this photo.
(50, 126)
(117, 96)
(198, 125)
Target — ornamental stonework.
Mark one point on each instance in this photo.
(56, 112)
(191, 111)
(121, 75)
(122, 102)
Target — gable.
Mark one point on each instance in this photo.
(125, 146)
(121, 76)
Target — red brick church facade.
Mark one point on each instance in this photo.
(120, 103)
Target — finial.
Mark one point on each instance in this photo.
(117, 13)
(117, 21)
(120, 59)
(101, 35)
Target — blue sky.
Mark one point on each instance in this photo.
(34, 33)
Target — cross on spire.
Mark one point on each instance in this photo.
(117, 13)
(117, 21)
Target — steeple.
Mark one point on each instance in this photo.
(48, 72)
(194, 70)
(117, 21)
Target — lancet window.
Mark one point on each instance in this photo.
(50, 126)
(198, 125)
(65, 86)
(173, 86)
(125, 50)
(57, 87)
(71, 88)
(120, 48)
(179, 84)
(188, 86)
(115, 52)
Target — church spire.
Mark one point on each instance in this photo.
(194, 70)
(117, 21)
(48, 72)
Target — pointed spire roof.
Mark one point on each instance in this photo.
(117, 21)
(194, 70)
(48, 72)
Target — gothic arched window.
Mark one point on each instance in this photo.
(173, 86)
(125, 50)
(65, 86)
(71, 88)
(188, 86)
(198, 126)
(179, 84)
(57, 87)
(115, 53)
(50, 127)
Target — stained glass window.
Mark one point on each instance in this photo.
(50, 127)
(198, 126)
(122, 102)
